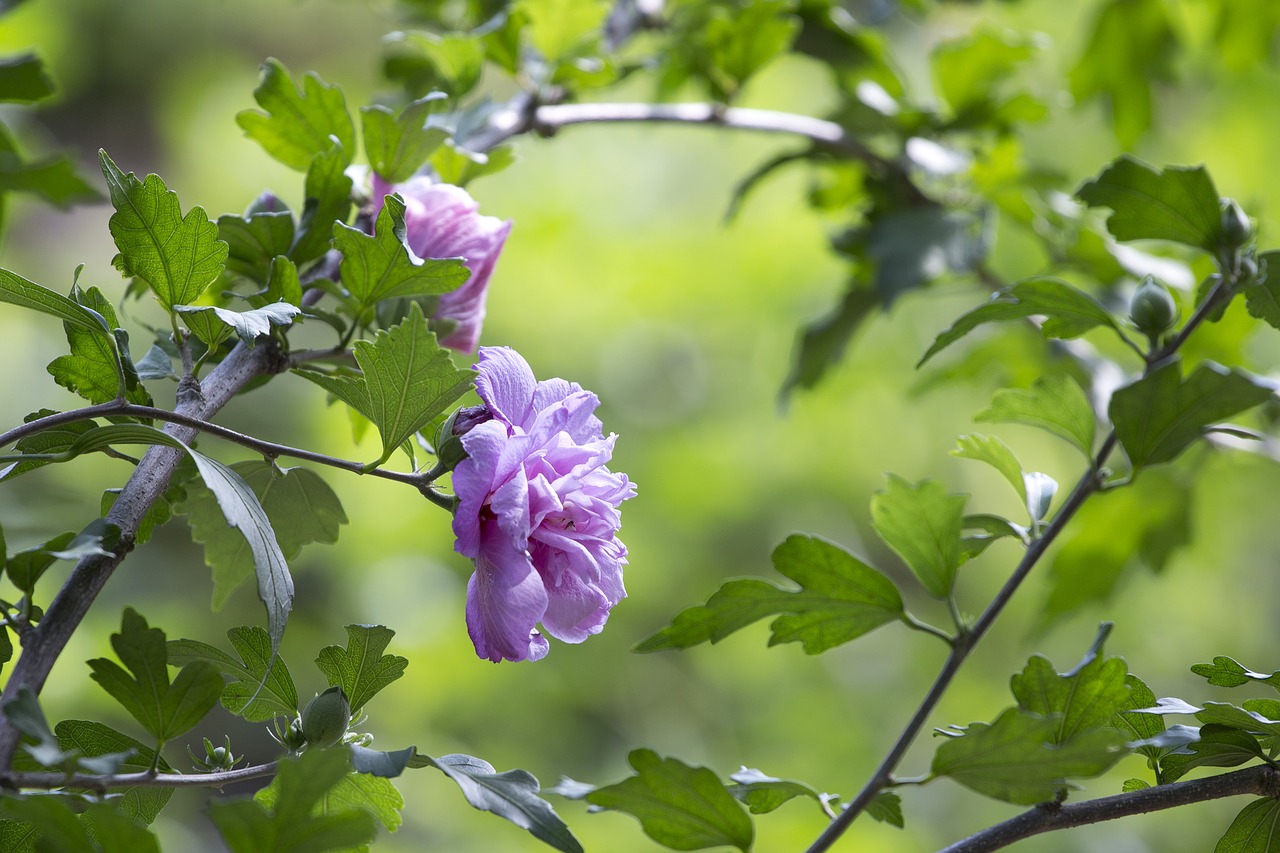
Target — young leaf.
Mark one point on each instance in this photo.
(361, 669)
(177, 256)
(95, 740)
(283, 285)
(1175, 204)
(559, 29)
(398, 145)
(297, 124)
(841, 598)
(248, 325)
(460, 167)
(272, 693)
(382, 267)
(1055, 403)
(1014, 758)
(1158, 416)
(328, 200)
(922, 523)
(164, 709)
(1225, 672)
(289, 824)
(682, 807)
(762, 794)
(16, 290)
(1068, 312)
(512, 795)
(1256, 829)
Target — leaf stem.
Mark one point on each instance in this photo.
(917, 625)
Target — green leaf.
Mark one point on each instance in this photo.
(93, 369)
(887, 808)
(113, 831)
(460, 167)
(1262, 296)
(59, 829)
(821, 344)
(16, 290)
(762, 793)
(289, 824)
(922, 524)
(512, 795)
(1140, 726)
(681, 807)
(1158, 416)
(562, 29)
(248, 325)
(177, 256)
(381, 763)
(354, 792)
(297, 123)
(1218, 746)
(1014, 758)
(742, 41)
(1055, 403)
(451, 63)
(53, 440)
(398, 145)
(328, 200)
(1132, 44)
(382, 267)
(25, 567)
(1068, 312)
(53, 179)
(93, 740)
(1225, 672)
(911, 246)
(160, 512)
(1149, 204)
(1256, 829)
(360, 669)
(272, 693)
(24, 713)
(1225, 714)
(840, 598)
(22, 79)
(994, 452)
(970, 71)
(254, 240)
(164, 709)
(1080, 701)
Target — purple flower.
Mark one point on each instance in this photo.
(537, 512)
(441, 222)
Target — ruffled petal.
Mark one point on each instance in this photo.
(505, 600)
(506, 384)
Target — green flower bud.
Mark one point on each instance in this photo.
(449, 448)
(326, 718)
(1236, 228)
(1152, 310)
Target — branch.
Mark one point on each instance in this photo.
(148, 779)
(1262, 780)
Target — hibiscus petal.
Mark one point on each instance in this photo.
(575, 609)
(506, 384)
(505, 601)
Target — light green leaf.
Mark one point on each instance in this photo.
(1080, 701)
(451, 63)
(22, 79)
(1068, 312)
(93, 740)
(361, 669)
(1158, 416)
(994, 452)
(1138, 727)
(887, 808)
(840, 598)
(742, 41)
(970, 71)
(1055, 403)
(1256, 829)
(460, 167)
(562, 29)
(1149, 204)
(177, 256)
(398, 145)
(353, 792)
(1225, 672)
(762, 793)
(164, 709)
(16, 290)
(1014, 758)
(681, 807)
(248, 325)
(93, 369)
(297, 124)
(273, 694)
(922, 523)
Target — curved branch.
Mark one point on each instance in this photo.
(146, 779)
(1262, 780)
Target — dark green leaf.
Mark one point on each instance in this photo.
(1262, 297)
(17, 837)
(1218, 746)
(59, 829)
(22, 79)
(762, 794)
(165, 710)
(272, 694)
(156, 364)
(1078, 702)
(1068, 312)
(822, 343)
(887, 808)
(681, 807)
(1149, 204)
(297, 124)
(25, 567)
(16, 290)
(922, 523)
(1224, 714)
(112, 831)
(24, 713)
(283, 285)
(375, 762)
(1014, 758)
(328, 200)
(1158, 416)
(54, 440)
(840, 598)
(93, 740)
(1055, 403)
(512, 795)
(248, 325)
(254, 239)
(1255, 830)
(911, 246)
(177, 256)
(361, 669)
(1139, 726)
(6, 647)
(54, 179)
(93, 369)
(397, 146)
(1225, 672)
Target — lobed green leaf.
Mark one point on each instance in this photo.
(1150, 204)
(296, 124)
(922, 524)
(361, 669)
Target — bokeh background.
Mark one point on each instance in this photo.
(621, 275)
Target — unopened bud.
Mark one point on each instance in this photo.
(1152, 310)
(268, 202)
(1236, 227)
(449, 449)
(326, 718)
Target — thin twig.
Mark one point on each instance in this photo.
(145, 779)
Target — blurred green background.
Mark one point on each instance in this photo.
(621, 275)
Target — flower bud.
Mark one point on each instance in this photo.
(449, 448)
(1236, 228)
(326, 718)
(1152, 310)
(1248, 270)
(268, 202)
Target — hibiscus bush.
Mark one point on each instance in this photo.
(938, 215)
